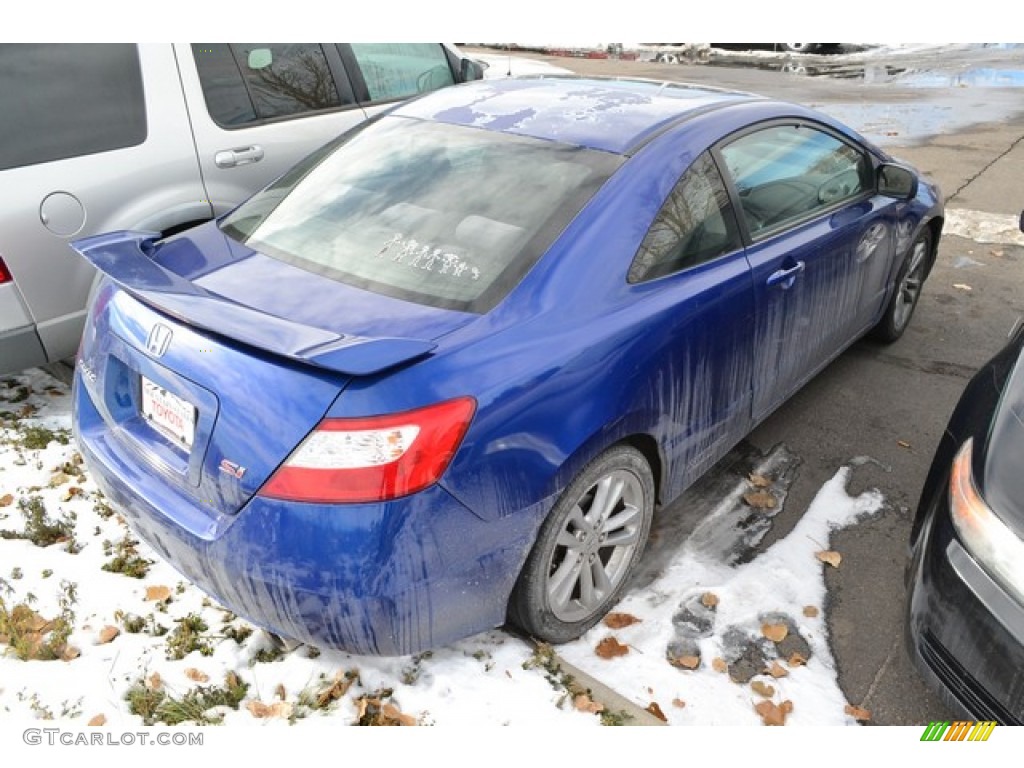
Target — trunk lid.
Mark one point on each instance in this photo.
(196, 373)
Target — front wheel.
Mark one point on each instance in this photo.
(587, 548)
(909, 282)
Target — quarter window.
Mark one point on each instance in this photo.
(787, 173)
(695, 225)
(400, 70)
(60, 101)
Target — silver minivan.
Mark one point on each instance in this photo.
(160, 137)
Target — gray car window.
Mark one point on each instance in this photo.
(400, 70)
(63, 100)
(246, 82)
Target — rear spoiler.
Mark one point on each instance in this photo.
(125, 257)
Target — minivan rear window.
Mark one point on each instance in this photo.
(444, 215)
(64, 100)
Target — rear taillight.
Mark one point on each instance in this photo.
(375, 458)
(5, 273)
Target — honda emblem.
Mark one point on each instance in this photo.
(159, 339)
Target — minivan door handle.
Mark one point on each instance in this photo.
(229, 158)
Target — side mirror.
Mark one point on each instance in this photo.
(896, 181)
(471, 70)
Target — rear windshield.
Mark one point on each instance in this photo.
(438, 214)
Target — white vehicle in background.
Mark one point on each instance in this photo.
(499, 65)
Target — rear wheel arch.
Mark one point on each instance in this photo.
(600, 443)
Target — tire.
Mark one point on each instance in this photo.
(573, 575)
(907, 292)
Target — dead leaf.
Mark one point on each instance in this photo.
(197, 676)
(584, 703)
(70, 653)
(71, 493)
(759, 481)
(282, 709)
(904, 444)
(655, 710)
(796, 660)
(775, 632)
(786, 706)
(609, 648)
(831, 557)
(257, 708)
(158, 594)
(58, 479)
(6, 500)
(54, 392)
(338, 688)
(709, 600)
(154, 682)
(772, 714)
(810, 611)
(760, 499)
(27, 410)
(108, 633)
(719, 665)
(962, 287)
(391, 712)
(685, 662)
(776, 670)
(678, 703)
(280, 692)
(620, 620)
(858, 713)
(98, 720)
(762, 689)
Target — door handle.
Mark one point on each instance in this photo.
(784, 278)
(229, 158)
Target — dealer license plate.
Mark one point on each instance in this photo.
(174, 417)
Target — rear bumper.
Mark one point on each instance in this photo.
(388, 579)
(964, 632)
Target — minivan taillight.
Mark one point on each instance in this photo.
(374, 458)
(5, 273)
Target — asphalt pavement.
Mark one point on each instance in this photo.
(890, 403)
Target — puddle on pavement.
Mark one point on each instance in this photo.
(714, 519)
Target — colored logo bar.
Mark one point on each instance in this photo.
(961, 730)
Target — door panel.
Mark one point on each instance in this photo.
(259, 108)
(820, 248)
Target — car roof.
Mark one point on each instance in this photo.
(611, 114)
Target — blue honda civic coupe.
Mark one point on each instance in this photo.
(438, 376)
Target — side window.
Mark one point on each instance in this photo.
(60, 101)
(246, 82)
(789, 172)
(400, 70)
(695, 225)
